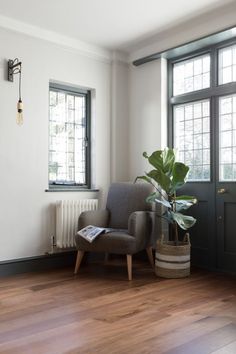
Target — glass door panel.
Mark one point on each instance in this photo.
(227, 138)
(192, 138)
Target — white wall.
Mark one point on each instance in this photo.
(120, 121)
(25, 221)
(147, 91)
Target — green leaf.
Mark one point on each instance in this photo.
(152, 197)
(168, 217)
(144, 178)
(159, 177)
(162, 160)
(156, 160)
(179, 173)
(184, 204)
(184, 221)
(163, 202)
(168, 156)
(185, 197)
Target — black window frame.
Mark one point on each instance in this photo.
(212, 93)
(60, 186)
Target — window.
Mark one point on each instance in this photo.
(69, 137)
(227, 65)
(191, 75)
(192, 137)
(227, 133)
(202, 105)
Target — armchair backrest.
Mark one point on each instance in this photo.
(123, 199)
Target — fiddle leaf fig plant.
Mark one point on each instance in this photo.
(167, 176)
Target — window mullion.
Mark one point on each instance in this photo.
(220, 90)
(193, 96)
(214, 69)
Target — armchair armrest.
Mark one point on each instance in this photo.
(93, 217)
(140, 227)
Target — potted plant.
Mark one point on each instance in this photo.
(167, 177)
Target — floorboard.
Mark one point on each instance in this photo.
(100, 311)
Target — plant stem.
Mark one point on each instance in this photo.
(176, 234)
(158, 190)
(175, 223)
(174, 202)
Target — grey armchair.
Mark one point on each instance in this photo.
(127, 211)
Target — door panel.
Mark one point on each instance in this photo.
(229, 232)
(202, 234)
(226, 183)
(226, 230)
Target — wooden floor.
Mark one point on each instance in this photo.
(100, 311)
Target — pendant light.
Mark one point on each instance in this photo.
(14, 67)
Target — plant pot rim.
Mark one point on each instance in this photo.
(172, 243)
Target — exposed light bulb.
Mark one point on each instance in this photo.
(19, 116)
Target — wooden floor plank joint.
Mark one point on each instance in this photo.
(99, 311)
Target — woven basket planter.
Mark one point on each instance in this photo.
(173, 261)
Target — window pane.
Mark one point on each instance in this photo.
(192, 138)
(227, 65)
(227, 137)
(191, 75)
(67, 132)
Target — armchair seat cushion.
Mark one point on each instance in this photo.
(119, 242)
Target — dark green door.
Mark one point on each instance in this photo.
(192, 126)
(226, 183)
(202, 128)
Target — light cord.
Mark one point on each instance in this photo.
(20, 84)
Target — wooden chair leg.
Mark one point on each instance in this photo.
(80, 255)
(129, 266)
(150, 256)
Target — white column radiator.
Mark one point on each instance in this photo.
(67, 213)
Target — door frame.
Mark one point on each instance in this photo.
(213, 93)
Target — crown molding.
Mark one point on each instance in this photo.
(119, 57)
(83, 48)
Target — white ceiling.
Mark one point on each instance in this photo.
(111, 24)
